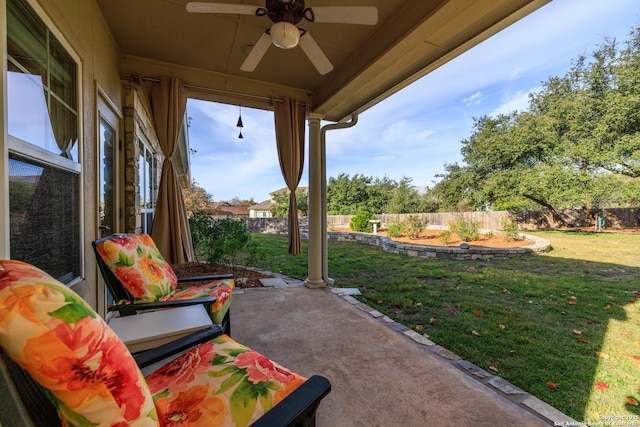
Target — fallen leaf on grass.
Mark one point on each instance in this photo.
(475, 333)
(601, 386)
(477, 313)
(631, 301)
(551, 385)
(453, 310)
(573, 302)
(501, 326)
(577, 332)
(582, 340)
(432, 320)
(493, 368)
(602, 355)
(631, 401)
(635, 357)
(608, 307)
(419, 328)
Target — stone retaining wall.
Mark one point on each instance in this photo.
(538, 246)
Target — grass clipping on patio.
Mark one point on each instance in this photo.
(563, 326)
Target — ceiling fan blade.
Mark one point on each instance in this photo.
(363, 15)
(315, 54)
(256, 54)
(204, 7)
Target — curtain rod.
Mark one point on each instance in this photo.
(221, 91)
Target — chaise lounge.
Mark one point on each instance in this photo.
(60, 364)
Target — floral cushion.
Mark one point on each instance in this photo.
(65, 346)
(221, 289)
(222, 382)
(140, 267)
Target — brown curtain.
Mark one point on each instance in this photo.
(170, 230)
(289, 119)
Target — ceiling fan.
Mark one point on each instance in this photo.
(284, 33)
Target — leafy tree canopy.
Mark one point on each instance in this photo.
(577, 145)
(196, 198)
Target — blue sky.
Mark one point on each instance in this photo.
(417, 130)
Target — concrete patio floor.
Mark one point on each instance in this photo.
(382, 374)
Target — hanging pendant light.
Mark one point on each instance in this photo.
(240, 125)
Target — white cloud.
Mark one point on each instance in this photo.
(472, 100)
(517, 102)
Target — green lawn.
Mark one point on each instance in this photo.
(564, 326)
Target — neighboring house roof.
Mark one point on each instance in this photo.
(237, 210)
(262, 206)
(226, 208)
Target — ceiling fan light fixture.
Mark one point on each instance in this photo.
(285, 35)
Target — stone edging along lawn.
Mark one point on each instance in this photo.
(538, 245)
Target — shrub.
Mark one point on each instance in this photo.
(200, 224)
(466, 230)
(510, 228)
(396, 229)
(219, 241)
(414, 226)
(360, 222)
(445, 237)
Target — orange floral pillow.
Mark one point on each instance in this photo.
(65, 346)
(140, 267)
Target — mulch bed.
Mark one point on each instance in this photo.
(192, 269)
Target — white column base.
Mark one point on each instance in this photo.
(315, 284)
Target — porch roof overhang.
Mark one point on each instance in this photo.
(411, 39)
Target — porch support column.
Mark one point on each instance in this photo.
(315, 279)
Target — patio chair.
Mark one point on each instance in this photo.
(61, 364)
(139, 278)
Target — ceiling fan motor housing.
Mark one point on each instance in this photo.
(281, 10)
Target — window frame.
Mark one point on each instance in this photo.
(143, 187)
(15, 145)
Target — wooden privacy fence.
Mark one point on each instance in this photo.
(616, 218)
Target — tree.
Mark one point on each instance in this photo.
(405, 199)
(281, 207)
(379, 193)
(573, 148)
(196, 198)
(236, 201)
(348, 196)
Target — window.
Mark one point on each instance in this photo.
(147, 178)
(44, 173)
